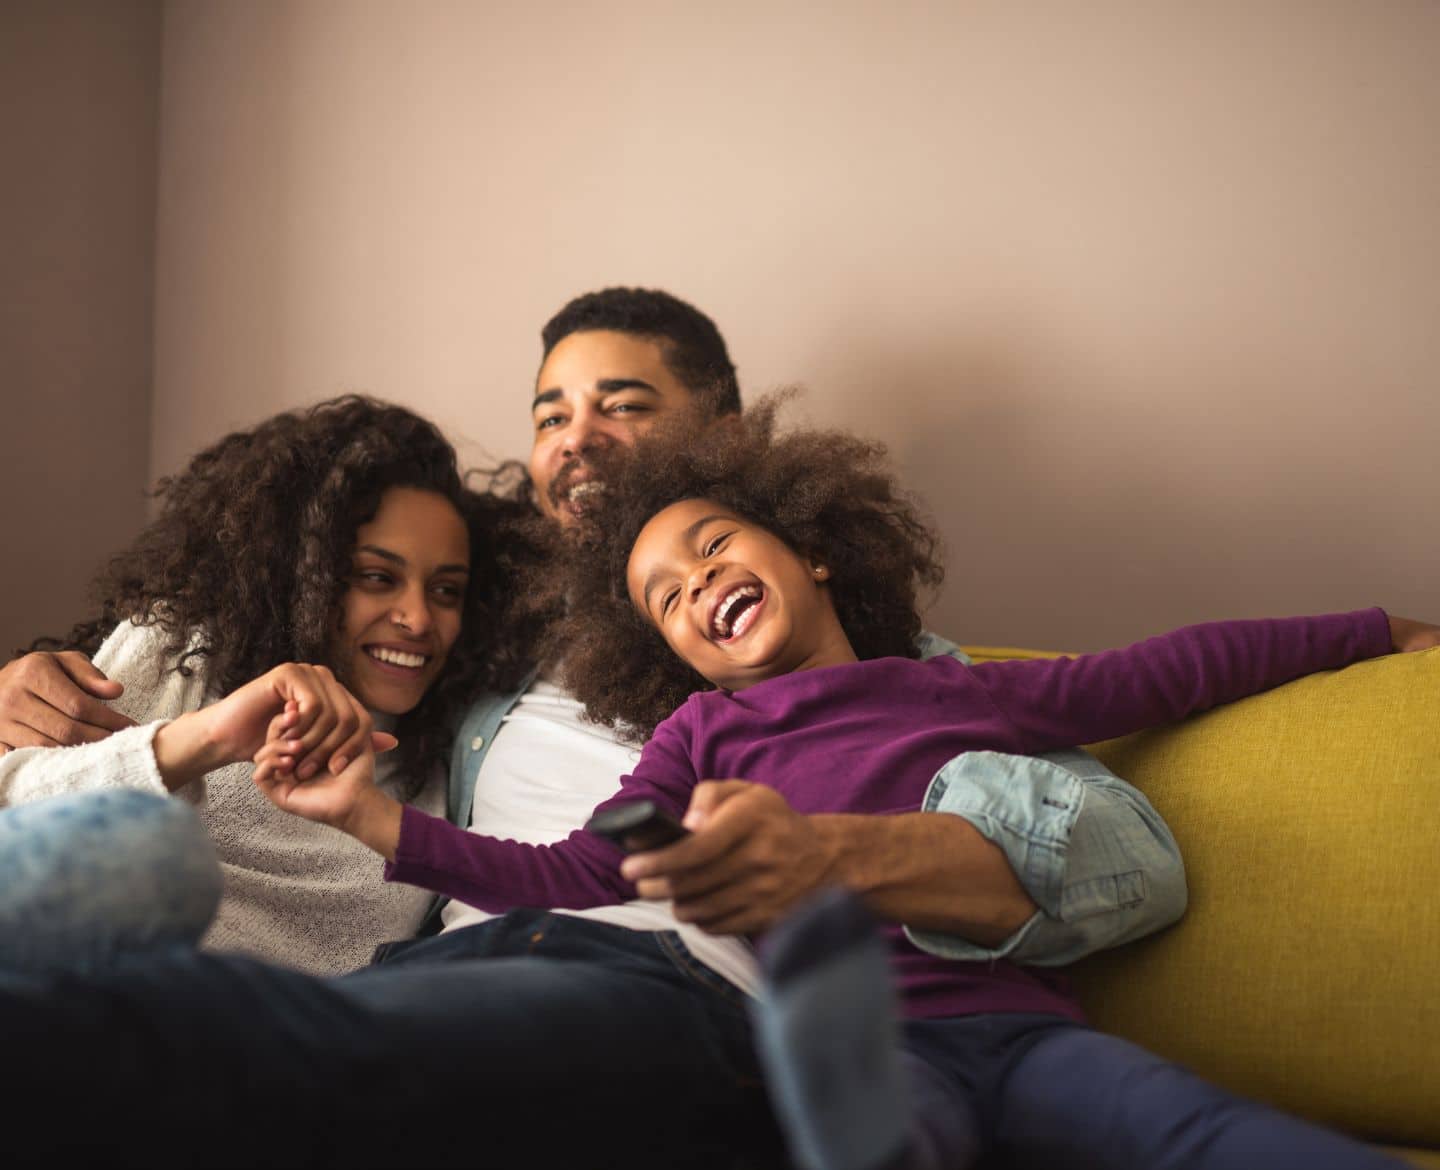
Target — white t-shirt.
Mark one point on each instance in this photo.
(543, 776)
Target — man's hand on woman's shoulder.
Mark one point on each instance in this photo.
(55, 700)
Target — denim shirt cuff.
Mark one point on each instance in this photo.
(1027, 807)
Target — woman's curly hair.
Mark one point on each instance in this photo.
(245, 566)
(827, 494)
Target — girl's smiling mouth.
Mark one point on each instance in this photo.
(734, 612)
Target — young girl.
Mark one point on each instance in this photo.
(776, 577)
(322, 558)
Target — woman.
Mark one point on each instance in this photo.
(322, 554)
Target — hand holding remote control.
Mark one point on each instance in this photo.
(637, 826)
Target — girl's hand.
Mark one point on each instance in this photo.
(348, 801)
(287, 729)
(1407, 635)
(329, 723)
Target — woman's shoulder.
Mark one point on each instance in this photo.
(141, 641)
(142, 657)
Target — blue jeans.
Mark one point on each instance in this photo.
(1041, 1092)
(90, 876)
(532, 1040)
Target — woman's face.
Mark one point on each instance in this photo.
(401, 609)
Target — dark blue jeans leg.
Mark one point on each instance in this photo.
(954, 1065)
(947, 1132)
(603, 1046)
(1081, 1099)
(539, 1041)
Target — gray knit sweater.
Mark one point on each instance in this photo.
(296, 893)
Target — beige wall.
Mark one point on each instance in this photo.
(79, 84)
(1143, 295)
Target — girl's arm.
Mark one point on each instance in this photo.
(1065, 701)
(581, 871)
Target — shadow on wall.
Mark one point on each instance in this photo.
(1074, 519)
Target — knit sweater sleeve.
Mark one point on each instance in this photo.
(155, 693)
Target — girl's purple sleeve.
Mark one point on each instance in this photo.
(1066, 701)
(665, 772)
(581, 871)
(496, 875)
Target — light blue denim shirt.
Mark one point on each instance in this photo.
(1089, 850)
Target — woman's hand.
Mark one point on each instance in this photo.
(1407, 635)
(327, 721)
(347, 800)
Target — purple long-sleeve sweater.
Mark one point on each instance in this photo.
(868, 737)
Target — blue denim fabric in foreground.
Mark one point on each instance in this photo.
(532, 1040)
(90, 876)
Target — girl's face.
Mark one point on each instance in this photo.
(401, 609)
(732, 599)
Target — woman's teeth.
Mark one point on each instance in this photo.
(731, 614)
(396, 657)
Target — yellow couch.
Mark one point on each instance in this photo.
(1306, 972)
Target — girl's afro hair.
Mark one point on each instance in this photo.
(828, 494)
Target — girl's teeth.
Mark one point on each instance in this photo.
(742, 623)
(721, 624)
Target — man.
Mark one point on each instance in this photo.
(605, 1013)
(613, 362)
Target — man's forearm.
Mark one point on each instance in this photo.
(929, 871)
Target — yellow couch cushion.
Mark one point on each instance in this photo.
(1307, 970)
(1426, 1159)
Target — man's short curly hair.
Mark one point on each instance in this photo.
(245, 565)
(827, 494)
(692, 346)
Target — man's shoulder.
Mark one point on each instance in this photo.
(489, 707)
(931, 645)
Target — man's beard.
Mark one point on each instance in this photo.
(595, 470)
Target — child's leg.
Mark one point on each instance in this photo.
(87, 876)
(847, 1097)
(1082, 1099)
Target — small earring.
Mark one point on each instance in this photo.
(819, 570)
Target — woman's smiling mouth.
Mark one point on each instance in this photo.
(397, 661)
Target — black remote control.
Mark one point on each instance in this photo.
(637, 826)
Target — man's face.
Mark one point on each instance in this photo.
(596, 392)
